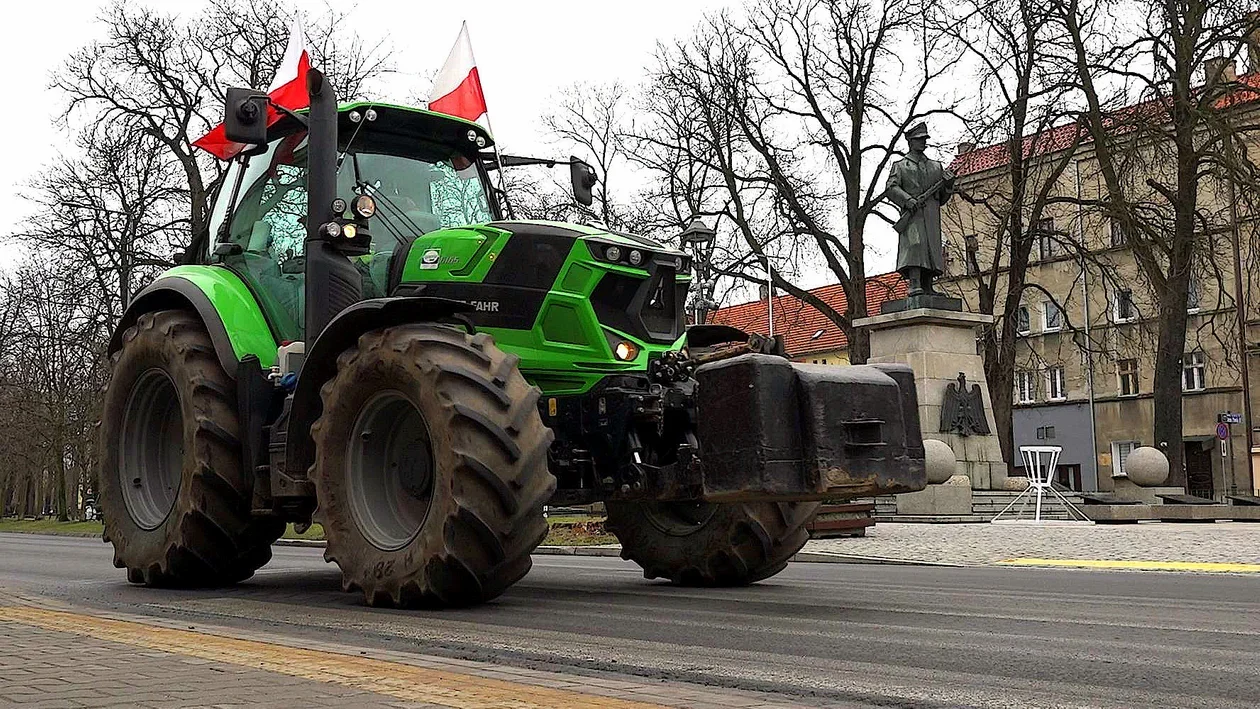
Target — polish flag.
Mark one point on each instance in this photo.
(287, 89)
(457, 88)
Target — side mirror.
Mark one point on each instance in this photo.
(584, 179)
(245, 116)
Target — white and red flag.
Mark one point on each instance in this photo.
(457, 87)
(287, 89)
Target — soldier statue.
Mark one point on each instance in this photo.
(919, 186)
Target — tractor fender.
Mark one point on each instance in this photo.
(173, 291)
(320, 363)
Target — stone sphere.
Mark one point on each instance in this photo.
(1146, 466)
(940, 460)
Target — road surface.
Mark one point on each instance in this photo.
(817, 634)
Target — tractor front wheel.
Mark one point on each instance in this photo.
(710, 544)
(174, 494)
(431, 468)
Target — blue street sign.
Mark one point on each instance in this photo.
(1222, 431)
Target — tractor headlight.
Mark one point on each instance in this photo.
(349, 231)
(625, 351)
(472, 136)
(339, 206)
(332, 230)
(613, 253)
(364, 207)
(636, 257)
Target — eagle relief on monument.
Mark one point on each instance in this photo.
(962, 409)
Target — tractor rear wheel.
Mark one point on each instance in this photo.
(710, 544)
(431, 468)
(174, 494)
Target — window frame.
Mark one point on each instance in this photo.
(1046, 306)
(1025, 377)
(1052, 380)
(1023, 321)
(1194, 365)
(1119, 456)
(1122, 376)
(1123, 296)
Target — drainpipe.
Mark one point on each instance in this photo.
(1089, 355)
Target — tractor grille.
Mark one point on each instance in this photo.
(649, 308)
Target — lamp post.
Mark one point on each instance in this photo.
(699, 236)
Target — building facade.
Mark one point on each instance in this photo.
(1087, 330)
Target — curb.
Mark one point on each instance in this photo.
(46, 533)
(612, 550)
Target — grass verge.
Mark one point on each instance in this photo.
(565, 531)
(51, 526)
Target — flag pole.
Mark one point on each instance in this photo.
(498, 157)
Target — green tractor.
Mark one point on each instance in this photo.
(363, 341)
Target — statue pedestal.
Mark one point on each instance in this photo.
(938, 345)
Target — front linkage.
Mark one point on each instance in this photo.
(738, 423)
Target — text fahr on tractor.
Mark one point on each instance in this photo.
(363, 341)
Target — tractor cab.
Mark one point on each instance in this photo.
(421, 169)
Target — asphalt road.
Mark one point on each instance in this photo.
(878, 635)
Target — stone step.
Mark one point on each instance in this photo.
(985, 504)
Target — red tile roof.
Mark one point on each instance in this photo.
(797, 321)
(1062, 137)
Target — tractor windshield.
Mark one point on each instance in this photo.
(419, 188)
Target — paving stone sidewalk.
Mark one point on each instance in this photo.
(43, 669)
(1227, 542)
(59, 668)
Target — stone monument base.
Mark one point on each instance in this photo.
(939, 345)
(1126, 489)
(952, 497)
(935, 301)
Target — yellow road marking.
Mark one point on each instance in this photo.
(1216, 567)
(394, 679)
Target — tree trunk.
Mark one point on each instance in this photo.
(1168, 355)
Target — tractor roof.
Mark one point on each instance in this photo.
(404, 124)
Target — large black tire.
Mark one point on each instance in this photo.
(706, 544)
(431, 468)
(174, 494)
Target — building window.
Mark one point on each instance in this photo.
(1117, 233)
(1192, 295)
(1052, 316)
(1128, 371)
(1045, 433)
(1025, 387)
(1056, 384)
(1193, 370)
(1122, 308)
(1120, 451)
(1023, 322)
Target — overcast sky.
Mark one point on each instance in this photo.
(525, 52)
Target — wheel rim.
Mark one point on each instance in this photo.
(389, 470)
(151, 449)
(679, 518)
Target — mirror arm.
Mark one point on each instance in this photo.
(295, 116)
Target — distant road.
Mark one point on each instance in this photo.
(825, 633)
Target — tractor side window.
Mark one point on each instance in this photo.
(457, 195)
(269, 224)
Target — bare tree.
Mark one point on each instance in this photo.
(1158, 100)
(796, 108)
(1017, 104)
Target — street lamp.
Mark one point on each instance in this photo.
(697, 233)
(700, 237)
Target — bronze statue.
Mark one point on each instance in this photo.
(962, 409)
(919, 186)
